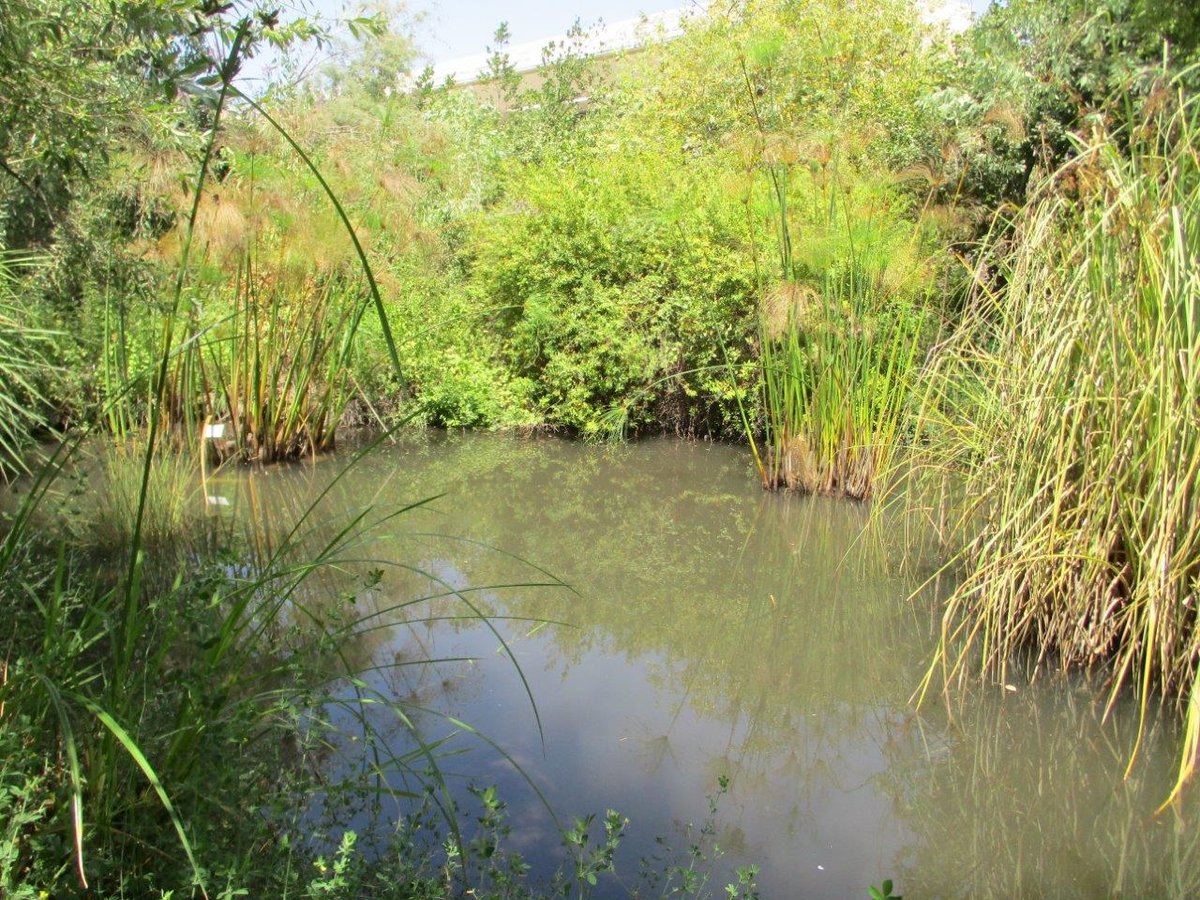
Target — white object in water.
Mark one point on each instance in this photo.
(214, 500)
(214, 432)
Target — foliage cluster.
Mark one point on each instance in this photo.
(1032, 72)
(746, 228)
(705, 159)
(589, 249)
(545, 261)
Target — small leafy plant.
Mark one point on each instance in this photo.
(591, 861)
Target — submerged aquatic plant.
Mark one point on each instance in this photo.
(1069, 401)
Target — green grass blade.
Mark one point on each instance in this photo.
(139, 759)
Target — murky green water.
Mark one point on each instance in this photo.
(711, 630)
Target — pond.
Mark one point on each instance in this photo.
(710, 631)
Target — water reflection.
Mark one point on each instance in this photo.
(710, 630)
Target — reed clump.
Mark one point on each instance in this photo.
(837, 365)
(269, 378)
(1069, 398)
(284, 368)
(174, 498)
(21, 363)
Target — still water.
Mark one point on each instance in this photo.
(658, 623)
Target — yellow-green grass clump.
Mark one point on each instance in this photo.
(1070, 397)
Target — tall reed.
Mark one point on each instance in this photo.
(837, 365)
(840, 331)
(1069, 399)
(21, 363)
(275, 372)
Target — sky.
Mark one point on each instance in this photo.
(448, 29)
(453, 28)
